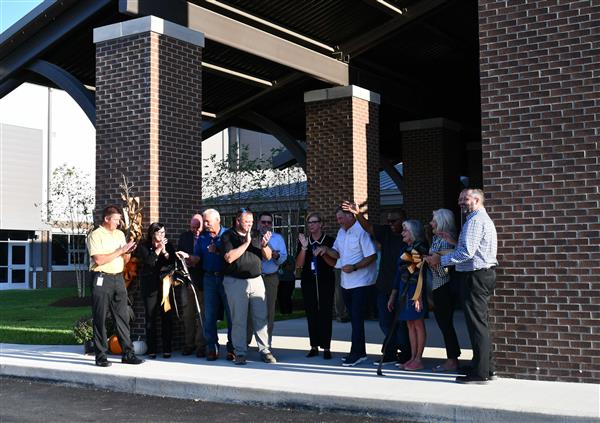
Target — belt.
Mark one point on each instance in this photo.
(484, 269)
(206, 272)
(269, 274)
(109, 274)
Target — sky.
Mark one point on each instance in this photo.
(13, 10)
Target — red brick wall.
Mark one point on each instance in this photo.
(431, 159)
(539, 65)
(342, 138)
(148, 120)
(148, 128)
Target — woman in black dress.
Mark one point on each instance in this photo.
(156, 255)
(317, 283)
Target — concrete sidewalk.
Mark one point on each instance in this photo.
(296, 381)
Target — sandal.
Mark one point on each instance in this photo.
(415, 365)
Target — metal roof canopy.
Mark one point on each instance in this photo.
(421, 56)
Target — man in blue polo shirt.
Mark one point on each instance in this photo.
(206, 251)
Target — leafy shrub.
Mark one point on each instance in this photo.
(83, 330)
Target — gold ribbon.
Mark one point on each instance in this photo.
(416, 262)
(166, 287)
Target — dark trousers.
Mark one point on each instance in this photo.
(445, 298)
(284, 296)
(478, 288)
(111, 295)
(153, 310)
(401, 340)
(356, 300)
(318, 311)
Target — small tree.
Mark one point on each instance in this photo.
(70, 209)
(233, 177)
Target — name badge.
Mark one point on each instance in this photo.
(99, 280)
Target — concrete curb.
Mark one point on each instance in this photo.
(223, 393)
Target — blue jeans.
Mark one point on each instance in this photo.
(356, 300)
(214, 293)
(386, 318)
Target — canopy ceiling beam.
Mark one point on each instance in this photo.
(383, 32)
(65, 81)
(293, 146)
(238, 35)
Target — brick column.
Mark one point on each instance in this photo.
(148, 124)
(539, 68)
(431, 154)
(148, 117)
(342, 150)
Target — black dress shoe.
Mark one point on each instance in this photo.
(327, 355)
(166, 355)
(103, 363)
(313, 352)
(131, 359)
(187, 351)
(493, 375)
(472, 380)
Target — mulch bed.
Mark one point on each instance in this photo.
(72, 302)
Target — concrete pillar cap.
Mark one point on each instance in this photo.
(342, 92)
(148, 24)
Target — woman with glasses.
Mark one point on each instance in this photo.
(317, 283)
(156, 257)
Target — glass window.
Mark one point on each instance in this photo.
(68, 250)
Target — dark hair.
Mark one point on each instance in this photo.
(266, 214)
(152, 229)
(340, 209)
(242, 211)
(110, 210)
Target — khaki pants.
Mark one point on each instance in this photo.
(244, 294)
(271, 285)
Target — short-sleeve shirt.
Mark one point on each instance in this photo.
(249, 264)
(353, 245)
(101, 241)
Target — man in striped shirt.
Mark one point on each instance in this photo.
(475, 259)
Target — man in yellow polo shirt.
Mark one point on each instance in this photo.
(109, 252)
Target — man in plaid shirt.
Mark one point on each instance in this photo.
(475, 259)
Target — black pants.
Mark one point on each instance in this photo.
(318, 311)
(445, 298)
(110, 295)
(478, 288)
(284, 296)
(153, 310)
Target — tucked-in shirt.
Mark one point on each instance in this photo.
(440, 275)
(391, 248)
(354, 245)
(275, 243)
(211, 262)
(477, 244)
(101, 241)
(248, 265)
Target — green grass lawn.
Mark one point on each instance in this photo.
(26, 317)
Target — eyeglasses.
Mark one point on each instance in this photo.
(310, 222)
(266, 222)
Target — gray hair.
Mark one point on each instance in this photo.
(211, 212)
(416, 230)
(445, 221)
(478, 193)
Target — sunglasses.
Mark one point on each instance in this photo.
(266, 222)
